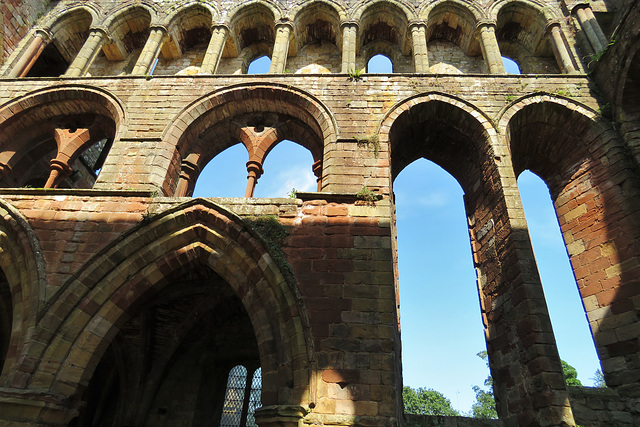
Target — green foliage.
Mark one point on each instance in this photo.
(598, 379)
(424, 401)
(596, 57)
(273, 233)
(366, 195)
(570, 374)
(355, 74)
(293, 193)
(485, 404)
(510, 98)
(370, 141)
(604, 110)
(563, 92)
(268, 228)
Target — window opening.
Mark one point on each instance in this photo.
(570, 326)
(225, 175)
(93, 157)
(438, 285)
(254, 397)
(259, 65)
(153, 66)
(379, 64)
(50, 63)
(510, 66)
(287, 167)
(234, 397)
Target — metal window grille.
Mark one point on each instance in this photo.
(234, 398)
(254, 397)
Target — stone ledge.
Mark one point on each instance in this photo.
(328, 197)
(412, 420)
(73, 192)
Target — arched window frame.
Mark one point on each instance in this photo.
(240, 391)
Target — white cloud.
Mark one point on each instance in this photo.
(301, 178)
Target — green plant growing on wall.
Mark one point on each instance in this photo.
(273, 233)
(604, 110)
(366, 195)
(355, 75)
(371, 141)
(510, 98)
(563, 92)
(596, 56)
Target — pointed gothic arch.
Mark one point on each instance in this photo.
(132, 268)
(594, 187)
(502, 253)
(23, 268)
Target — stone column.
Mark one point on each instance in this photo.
(349, 46)
(254, 168)
(524, 361)
(219, 34)
(591, 28)
(150, 51)
(560, 48)
(596, 27)
(39, 41)
(88, 53)
(280, 416)
(490, 48)
(419, 43)
(69, 146)
(188, 171)
(317, 171)
(280, 48)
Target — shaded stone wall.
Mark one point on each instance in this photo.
(18, 17)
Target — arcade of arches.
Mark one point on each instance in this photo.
(125, 301)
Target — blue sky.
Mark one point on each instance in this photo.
(440, 313)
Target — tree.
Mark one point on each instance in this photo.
(485, 404)
(424, 401)
(598, 379)
(570, 374)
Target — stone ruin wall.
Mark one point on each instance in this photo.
(78, 262)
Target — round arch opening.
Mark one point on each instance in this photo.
(54, 141)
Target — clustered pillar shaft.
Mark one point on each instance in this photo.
(420, 53)
(317, 171)
(90, 50)
(70, 144)
(490, 48)
(349, 47)
(254, 170)
(189, 171)
(591, 28)
(219, 34)
(40, 40)
(150, 51)
(280, 48)
(560, 48)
